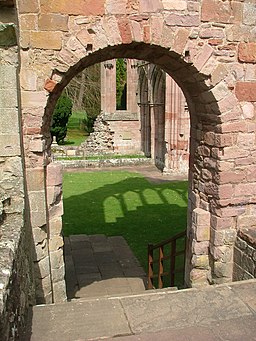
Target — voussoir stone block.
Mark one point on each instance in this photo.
(180, 39)
(125, 30)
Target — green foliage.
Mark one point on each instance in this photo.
(84, 90)
(88, 122)
(76, 133)
(121, 79)
(121, 203)
(61, 114)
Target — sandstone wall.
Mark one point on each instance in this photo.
(208, 47)
(245, 255)
(16, 279)
(126, 136)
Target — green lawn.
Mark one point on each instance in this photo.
(126, 204)
(76, 134)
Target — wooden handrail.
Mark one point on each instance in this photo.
(162, 257)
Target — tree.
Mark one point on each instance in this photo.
(121, 79)
(61, 114)
(84, 90)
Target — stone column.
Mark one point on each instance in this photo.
(132, 84)
(108, 86)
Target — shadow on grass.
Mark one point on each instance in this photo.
(131, 207)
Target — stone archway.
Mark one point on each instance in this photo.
(192, 43)
(164, 120)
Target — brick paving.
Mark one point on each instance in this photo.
(97, 265)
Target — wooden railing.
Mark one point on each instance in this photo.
(169, 258)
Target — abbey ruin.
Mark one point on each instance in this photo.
(208, 48)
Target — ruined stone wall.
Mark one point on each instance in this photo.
(16, 277)
(100, 140)
(126, 136)
(165, 123)
(123, 124)
(208, 47)
(245, 255)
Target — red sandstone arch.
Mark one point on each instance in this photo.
(202, 67)
(194, 90)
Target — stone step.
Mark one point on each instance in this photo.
(150, 312)
(139, 293)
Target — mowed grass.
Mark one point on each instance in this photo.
(76, 133)
(121, 203)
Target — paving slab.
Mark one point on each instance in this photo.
(229, 330)
(75, 320)
(97, 265)
(218, 313)
(180, 309)
(246, 291)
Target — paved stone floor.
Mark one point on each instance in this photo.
(97, 265)
(215, 313)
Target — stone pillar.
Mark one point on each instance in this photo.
(198, 270)
(132, 84)
(177, 128)
(108, 86)
(55, 209)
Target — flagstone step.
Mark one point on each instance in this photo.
(149, 314)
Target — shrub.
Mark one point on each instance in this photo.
(61, 114)
(88, 122)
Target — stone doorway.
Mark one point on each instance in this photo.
(203, 67)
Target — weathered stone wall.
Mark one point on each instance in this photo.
(123, 124)
(245, 255)
(104, 163)
(207, 46)
(100, 140)
(165, 120)
(126, 135)
(16, 278)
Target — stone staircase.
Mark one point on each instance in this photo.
(222, 312)
(97, 265)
